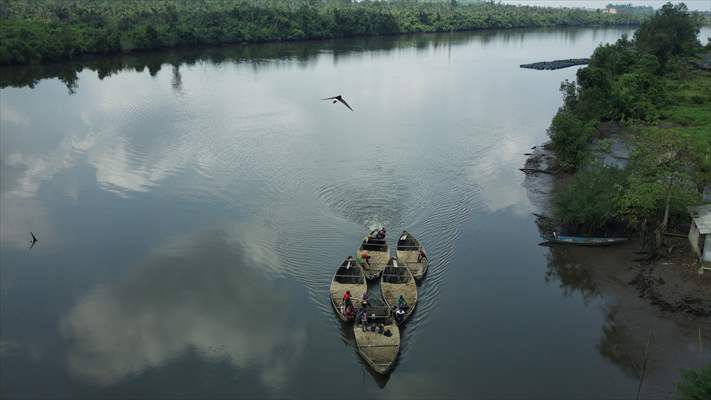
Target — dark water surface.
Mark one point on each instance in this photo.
(192, 206)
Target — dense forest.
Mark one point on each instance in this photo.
(52, 30)
(646, 92)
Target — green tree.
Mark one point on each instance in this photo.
(664, 176)
(570, 136)
(671, 32)
(695, 384)
(592, 198)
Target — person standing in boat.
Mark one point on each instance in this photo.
(364, 320)
(364, 301)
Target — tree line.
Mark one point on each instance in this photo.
(645, 91)
(54, 30)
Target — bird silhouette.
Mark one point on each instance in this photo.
(338, 98)
(33, 241)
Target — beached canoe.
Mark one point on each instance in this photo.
(379, 255)
(408, 251)
(348, 277)
(585, 241)
(378, 351)
(396, 281)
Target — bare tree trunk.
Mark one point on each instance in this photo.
(665, 220)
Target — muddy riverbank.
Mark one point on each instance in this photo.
(649, 306)
(671, 283)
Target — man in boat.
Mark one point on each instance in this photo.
(365, 257)
(364, 301)
(364, 320)
(349, 312)
(349, 260)
(399, 315)
(347, 299)
(381, 234)
(421, 256)
(401, 303)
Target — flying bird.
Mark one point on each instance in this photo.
(338, 98)
(33, 241)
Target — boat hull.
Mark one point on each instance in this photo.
(391, 291)
(585, 241)
(408, 251)
(379, 256)
(377, 350)
(352, 279)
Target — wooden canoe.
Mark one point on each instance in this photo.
(395, 281)
(347, 278)
(379, 351)
(584, 240)
(408, 250)
(379, 255)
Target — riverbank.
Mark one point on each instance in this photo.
(670, 282)
(647, 305)
(44, 31)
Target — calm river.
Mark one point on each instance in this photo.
(191, 208)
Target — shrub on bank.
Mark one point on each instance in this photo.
(571, 137)
(591, 200)
(695, 384)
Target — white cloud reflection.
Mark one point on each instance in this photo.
(195, 293)
(10, 115)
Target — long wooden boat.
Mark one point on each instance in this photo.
(396, 281)
(348, 276)
(379, 351)
(584, 240)
(379, 255)
(408, 252)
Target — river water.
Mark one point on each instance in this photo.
(191, 207)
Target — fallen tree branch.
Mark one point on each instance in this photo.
(674, 235)
(535, 170)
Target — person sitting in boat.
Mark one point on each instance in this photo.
(349, 312)
(347, 299)
(365, 257)
(349, 261)
(381, 234)
(421, 256)
(401, 303)
(399, 315)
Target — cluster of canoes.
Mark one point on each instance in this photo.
(376, 328)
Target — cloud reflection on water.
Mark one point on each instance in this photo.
(205, 294)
